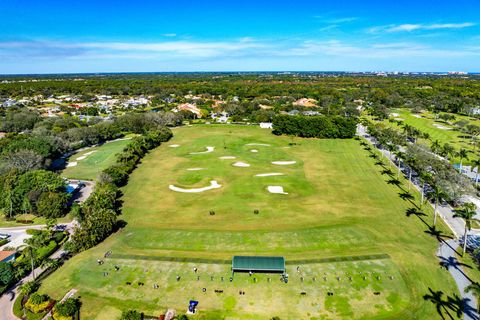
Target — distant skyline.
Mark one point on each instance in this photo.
(182, 36)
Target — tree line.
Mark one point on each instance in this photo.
(331, 127)
(98, 214)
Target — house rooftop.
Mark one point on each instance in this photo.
(4, 255)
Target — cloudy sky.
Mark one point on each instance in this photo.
(147, 36)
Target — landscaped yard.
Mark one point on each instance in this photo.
(88, 163)
(343, 223)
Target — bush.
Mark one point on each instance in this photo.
(25, 218)
(38, 303)
(131, 315)
(33, 232)
(67, 308)
(46, 251)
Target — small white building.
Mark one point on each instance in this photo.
(266, 125)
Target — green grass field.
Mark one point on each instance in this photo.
(91, 161)
(426, 122)
(343, 223)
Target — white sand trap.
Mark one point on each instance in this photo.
(81, 158)
(272, 174)
(213, 185)
(439, 126)
(89, 153)
(258, 144)
(417, 116)
(71, 164)
(195, 169)
(209, 149)
(399, 119)
(276, 189)
(241, 164)
(227, 157)
(174, 145)
(283, 163)
(394, 114)
(254, 150)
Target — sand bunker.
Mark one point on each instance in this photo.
(195, 169)
(254, 150)
(272, 174)
(89, 153)
(276, 189)
(174, 145)
(227, 157)
(283, 163)
(81, 158)
(71, 164)
(258, 144)
(439, 126)
(394, 114)
(417, 116)
(209, 149)
(241, 164)
(213, 185)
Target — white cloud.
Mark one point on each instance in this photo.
(409, 27)
(169, 35)
(193, 49)
(337, 48)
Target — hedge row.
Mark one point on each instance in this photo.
(331, 127)
(98, 215)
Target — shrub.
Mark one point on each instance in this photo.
(38, 303)
(47, 250)
(67, 308)
(25, 218)
(34, 232)
(131, 315)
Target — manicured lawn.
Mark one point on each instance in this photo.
(339, 205)
(426, 122)
(91, 161)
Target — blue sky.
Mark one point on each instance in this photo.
(128, 36)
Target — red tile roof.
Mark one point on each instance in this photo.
(6, 254)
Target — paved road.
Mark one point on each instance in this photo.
(446, 254)
(445, 212)
(7, 300)
(19, 234)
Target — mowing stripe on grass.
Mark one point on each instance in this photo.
(380, 256)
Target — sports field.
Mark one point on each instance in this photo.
(441, 131)
(88, 163)
(343, 228)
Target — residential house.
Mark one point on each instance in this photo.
(7, 256)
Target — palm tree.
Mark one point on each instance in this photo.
(424, 177)
(467, 213)
(462, 154)
(474, 288)
(447, 150)
(438, 194)
(476, 163)
(29, 252)
(435, 146)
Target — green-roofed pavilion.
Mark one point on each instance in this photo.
(258, 264)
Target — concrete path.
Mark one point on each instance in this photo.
(446, 254)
